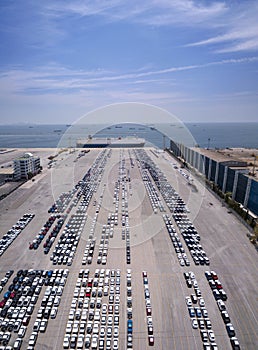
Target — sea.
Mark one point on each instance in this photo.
(205, 135)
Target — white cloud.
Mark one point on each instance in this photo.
(240, 30)
(62, 80)
(236, 23)
(151, 12)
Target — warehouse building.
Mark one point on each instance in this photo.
(229, 174)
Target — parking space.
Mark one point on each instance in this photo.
(116, 275)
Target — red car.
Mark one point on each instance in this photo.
(12, 295)
(218, 284)
(88, 292)
(2, 303)
(90, 280)
(214, 275)
(26, 320)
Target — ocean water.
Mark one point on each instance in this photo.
(212, 135)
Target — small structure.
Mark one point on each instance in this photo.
(6, 175)
(26, 166)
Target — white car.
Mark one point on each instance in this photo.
(116, 309)
(116, 332)
(188, 301)
(17, 344)
(110, 320)
(94, 342)
(36, 325)
(109, 332)
(95, 328)
(115, 344)
(66, 342)
(104, 309)
(53, 312)
(43, 326)
(194, 323)
(201, 302)
(102, 332)
(211, 336)
(33, 338)
(22, 331)
(204, 312)
(80, 342)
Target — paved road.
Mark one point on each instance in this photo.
(223, 238)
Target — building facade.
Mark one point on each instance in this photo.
(229, 175)
(26, 166)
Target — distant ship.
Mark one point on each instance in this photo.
(103, 142)
(58, 130)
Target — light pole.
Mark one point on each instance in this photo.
(208, 143)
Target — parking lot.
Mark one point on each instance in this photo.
(121, 253)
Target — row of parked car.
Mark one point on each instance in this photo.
(62, 202)
(49, 305)
(129, 339)
(104, 244)
(94, 316)
(179, 210)
(89, 184)
(5, 279)
(215, 285)
(177, 244)
(53, 234)
(221, 296)
(152, 192)
(65, 249)
(14, 231)
(170, 196)
(148, 308)
(124, 179)
(107, 232)
(89, 251)
(198, 313)
(19, 301)
(192, 239)
(44, 230)
(42, 233)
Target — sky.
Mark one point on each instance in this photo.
(61, 59)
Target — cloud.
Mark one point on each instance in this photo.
(62, 80)
(240, 31)
(151, 12)
(235, 24)
(44, 23)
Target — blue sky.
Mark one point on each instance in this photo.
(62, 59)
